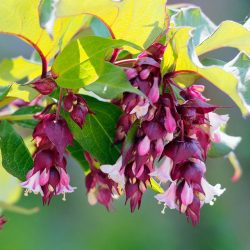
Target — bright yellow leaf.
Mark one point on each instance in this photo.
(21, 18)
(186, 59)
(12, 70)
(228, 34)
(136, 21)
(25, 93)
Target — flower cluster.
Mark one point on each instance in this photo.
(171, 134)
(49, 173)
(165, 133)
(99, 186)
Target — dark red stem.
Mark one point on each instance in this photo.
(42, 56)
(39, 51)
(59, 105)
(114, 55)
(174, 84)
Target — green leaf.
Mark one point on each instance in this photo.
(130, 137)
(4, 91)
(195, 18)
(225, 146)
(187, 60)
(228, 34)
(16, 158)
(82, 61)
(111, 83)
(240, 68)
(97, 135)
(29, 110)
(139, 22)
(47, 10)
(21, 19)
(76, 151)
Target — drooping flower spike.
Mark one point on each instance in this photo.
(100, 186)
(49, 175)
(172, 135)
(178, 131)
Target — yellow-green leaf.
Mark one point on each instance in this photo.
(21, 18)
(82, 61)
(48, 14)
(228, 34)
(195, 18)
(186, 59)
(140, 22)
(240, 68)
(16, 69)
(25, 93)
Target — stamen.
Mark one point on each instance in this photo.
(64, 197)
(26, 192)
(163, 210)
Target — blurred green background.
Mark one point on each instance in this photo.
(75, 225)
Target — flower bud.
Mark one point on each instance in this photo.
(144, 146)
(78, 114)
(169, 121)
(45, 86)
(154, 93)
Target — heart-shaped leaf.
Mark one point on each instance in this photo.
(21, 19)
(16, 69)
(185, 59)
(139, 22)
(47, 11)
(195, 18)
(240, 68)
(111, 83)
(82, 62)
(16, 158)
(228, 34)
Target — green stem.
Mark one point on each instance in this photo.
(16, 117)
(19, 210)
